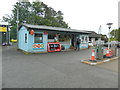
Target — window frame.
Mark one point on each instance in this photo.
(40, 41)
(26, 37)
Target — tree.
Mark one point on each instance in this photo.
(35, 13)
(118, 35)
(104, 37)
(115, 34)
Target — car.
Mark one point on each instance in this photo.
(118, 45)
(4, 44)
(90, 44)
(13, 40)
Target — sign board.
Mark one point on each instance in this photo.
(3, 29)
(38, 46)
(84, 45)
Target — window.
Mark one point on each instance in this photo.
(38, 38)
(26, 38)
(64, 38)
(82, 38)
(86, 38)
(51, 36)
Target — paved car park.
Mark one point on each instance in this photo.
(55, 70)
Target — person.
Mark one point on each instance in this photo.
(78, 44)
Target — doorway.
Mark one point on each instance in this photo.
(73, 40)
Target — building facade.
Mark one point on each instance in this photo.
(38, 38)
(119, 14)
(4, 33)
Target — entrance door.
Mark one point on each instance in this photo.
(73, 41)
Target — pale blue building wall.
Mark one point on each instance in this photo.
(28, 47)
(84, 43)
(31, 43)
(21, 38)
(67, 46)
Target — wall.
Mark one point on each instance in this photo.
(84, 41)
(66, 44)
(32, 44)
(32, 47)
(21, 38)
(83, 45)
(93, 41)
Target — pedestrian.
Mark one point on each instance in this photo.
(78, 44)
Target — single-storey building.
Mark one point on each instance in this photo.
(93, 37)
(40, 38)
(4, 33)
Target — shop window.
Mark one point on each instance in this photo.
(51, 36)
(82, 38)
(26, 38)
(86, 39)
(38, 38)
(64, 38)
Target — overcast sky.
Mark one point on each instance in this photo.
(79, 14)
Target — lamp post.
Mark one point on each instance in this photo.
(9, 33)
(109, 27)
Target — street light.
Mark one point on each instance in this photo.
(109, 27)
(9, 32)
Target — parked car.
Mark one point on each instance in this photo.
(4, 44)
(118, 45)
(13, 40)
(90, 44)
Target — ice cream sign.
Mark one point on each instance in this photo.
(38, 46)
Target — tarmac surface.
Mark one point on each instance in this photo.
(112, 65)
(55, 70)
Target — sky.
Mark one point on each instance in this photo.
(79, 14)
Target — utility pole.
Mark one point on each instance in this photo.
(99, 32)
(17, 21)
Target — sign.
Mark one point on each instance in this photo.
(38, 46)
(3, 29)
(84, 45)
(45, 33)
(31, 32)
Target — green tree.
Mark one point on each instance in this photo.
(104, 37)
(118, 35)
(35, 13)
(115, 34)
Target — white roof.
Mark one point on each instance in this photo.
(4, 23)
(55, 28)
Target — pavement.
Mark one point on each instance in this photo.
(55, 70)
(112, 65)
